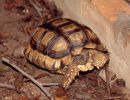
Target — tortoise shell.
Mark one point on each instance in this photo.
(64, 46)
(59, 37)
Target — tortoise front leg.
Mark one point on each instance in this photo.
(69, 76)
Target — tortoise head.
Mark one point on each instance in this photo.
(95, 59)
(99, 58)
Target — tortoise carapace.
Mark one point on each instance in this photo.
(65, 46)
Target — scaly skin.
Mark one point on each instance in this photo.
(69, 76)
(96, 59)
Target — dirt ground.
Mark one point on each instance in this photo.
(16, 18)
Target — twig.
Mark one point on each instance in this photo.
(109, 97)
(107, 81)
(44, 84)
(40, 85)
(4, 85)
(36, 7)
(51, 84)
(116, 97)
(5, 55)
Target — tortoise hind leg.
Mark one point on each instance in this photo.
(19, 52)
(69, 76)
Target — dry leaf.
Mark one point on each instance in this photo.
(4, 35)
(60, 94)
(23, 97)
(61, 98)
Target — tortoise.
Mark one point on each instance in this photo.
(64, 46)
